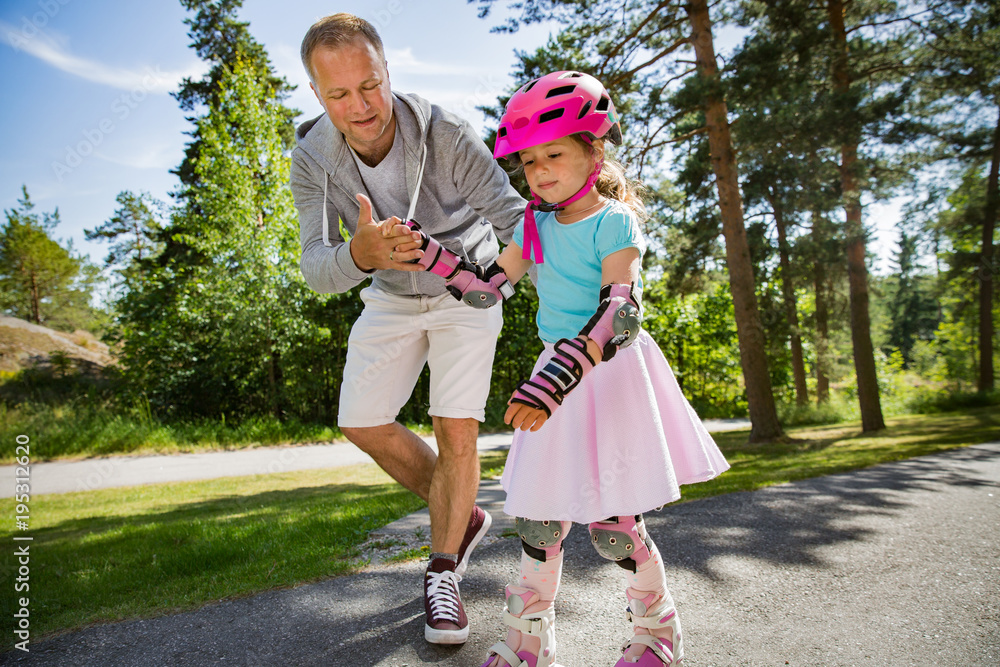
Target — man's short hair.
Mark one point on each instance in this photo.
(336, 31)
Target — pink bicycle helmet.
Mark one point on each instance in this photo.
(554, 106)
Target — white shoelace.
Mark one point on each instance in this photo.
(442, 591)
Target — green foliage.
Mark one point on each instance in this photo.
(221, 327)
(912, 304)
(697, 334)
(77, 412)
(220, 39)
(41, 280)
(132, 232)
(215, 328)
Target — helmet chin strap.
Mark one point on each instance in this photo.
(532, 242)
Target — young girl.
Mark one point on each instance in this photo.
(597, 443)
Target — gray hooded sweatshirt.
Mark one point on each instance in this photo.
(456, 190)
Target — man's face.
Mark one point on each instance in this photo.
(352, 84)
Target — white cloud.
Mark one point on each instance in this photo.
(163, 155)
(403, 60)
(150, 79)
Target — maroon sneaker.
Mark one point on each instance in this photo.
(446, 620)
(479, 523)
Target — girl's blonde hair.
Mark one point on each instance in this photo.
(612, 182)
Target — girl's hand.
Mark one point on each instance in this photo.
(524, 417)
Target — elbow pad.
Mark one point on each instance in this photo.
(618, 319)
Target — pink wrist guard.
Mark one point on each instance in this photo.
(549, 386)
(469, 283)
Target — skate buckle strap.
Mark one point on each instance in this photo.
(652, 622)
(532, 626)
(507, 654)
(663, 649)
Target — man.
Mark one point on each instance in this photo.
(392, 153)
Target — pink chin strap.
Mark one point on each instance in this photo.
(532, 242)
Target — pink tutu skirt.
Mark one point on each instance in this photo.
(621, 443)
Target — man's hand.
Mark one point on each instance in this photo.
(383, 245)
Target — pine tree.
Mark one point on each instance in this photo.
(132, 232)
(220, 321)
(220, 39)
(912, 308)
(960, 97)
(41, 280)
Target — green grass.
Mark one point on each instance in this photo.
(136, 552)
(123, 553)
(823, 450)
(81, 428)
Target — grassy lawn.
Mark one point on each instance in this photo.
(136, 552)
(824, 450)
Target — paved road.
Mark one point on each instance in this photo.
(113, 471)
(898, 564)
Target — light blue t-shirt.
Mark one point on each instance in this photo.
(569, 280)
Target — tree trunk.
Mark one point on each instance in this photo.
(791, 312)
(822, 312)
(760, 398)
(36, 301)
(987, 269)
(864, 353)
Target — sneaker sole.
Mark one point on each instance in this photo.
(464, 564)
(435, 636)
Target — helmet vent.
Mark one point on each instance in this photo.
(550, 115)
(602, 104)
(561, 90)
(585, 109)
(528, 86)
(502, 132)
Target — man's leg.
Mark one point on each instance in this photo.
(401, 453)
(462, 343)
(455, 482)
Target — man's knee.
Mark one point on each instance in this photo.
(367, 438)
(458, 436)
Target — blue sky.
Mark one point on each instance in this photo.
(87, 109)
(88, 113)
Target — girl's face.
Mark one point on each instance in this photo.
(557, 170)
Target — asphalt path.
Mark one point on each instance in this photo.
(897, 564)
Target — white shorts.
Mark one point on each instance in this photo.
(392, 340)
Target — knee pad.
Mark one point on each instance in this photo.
(541, 540)
(622, 539)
